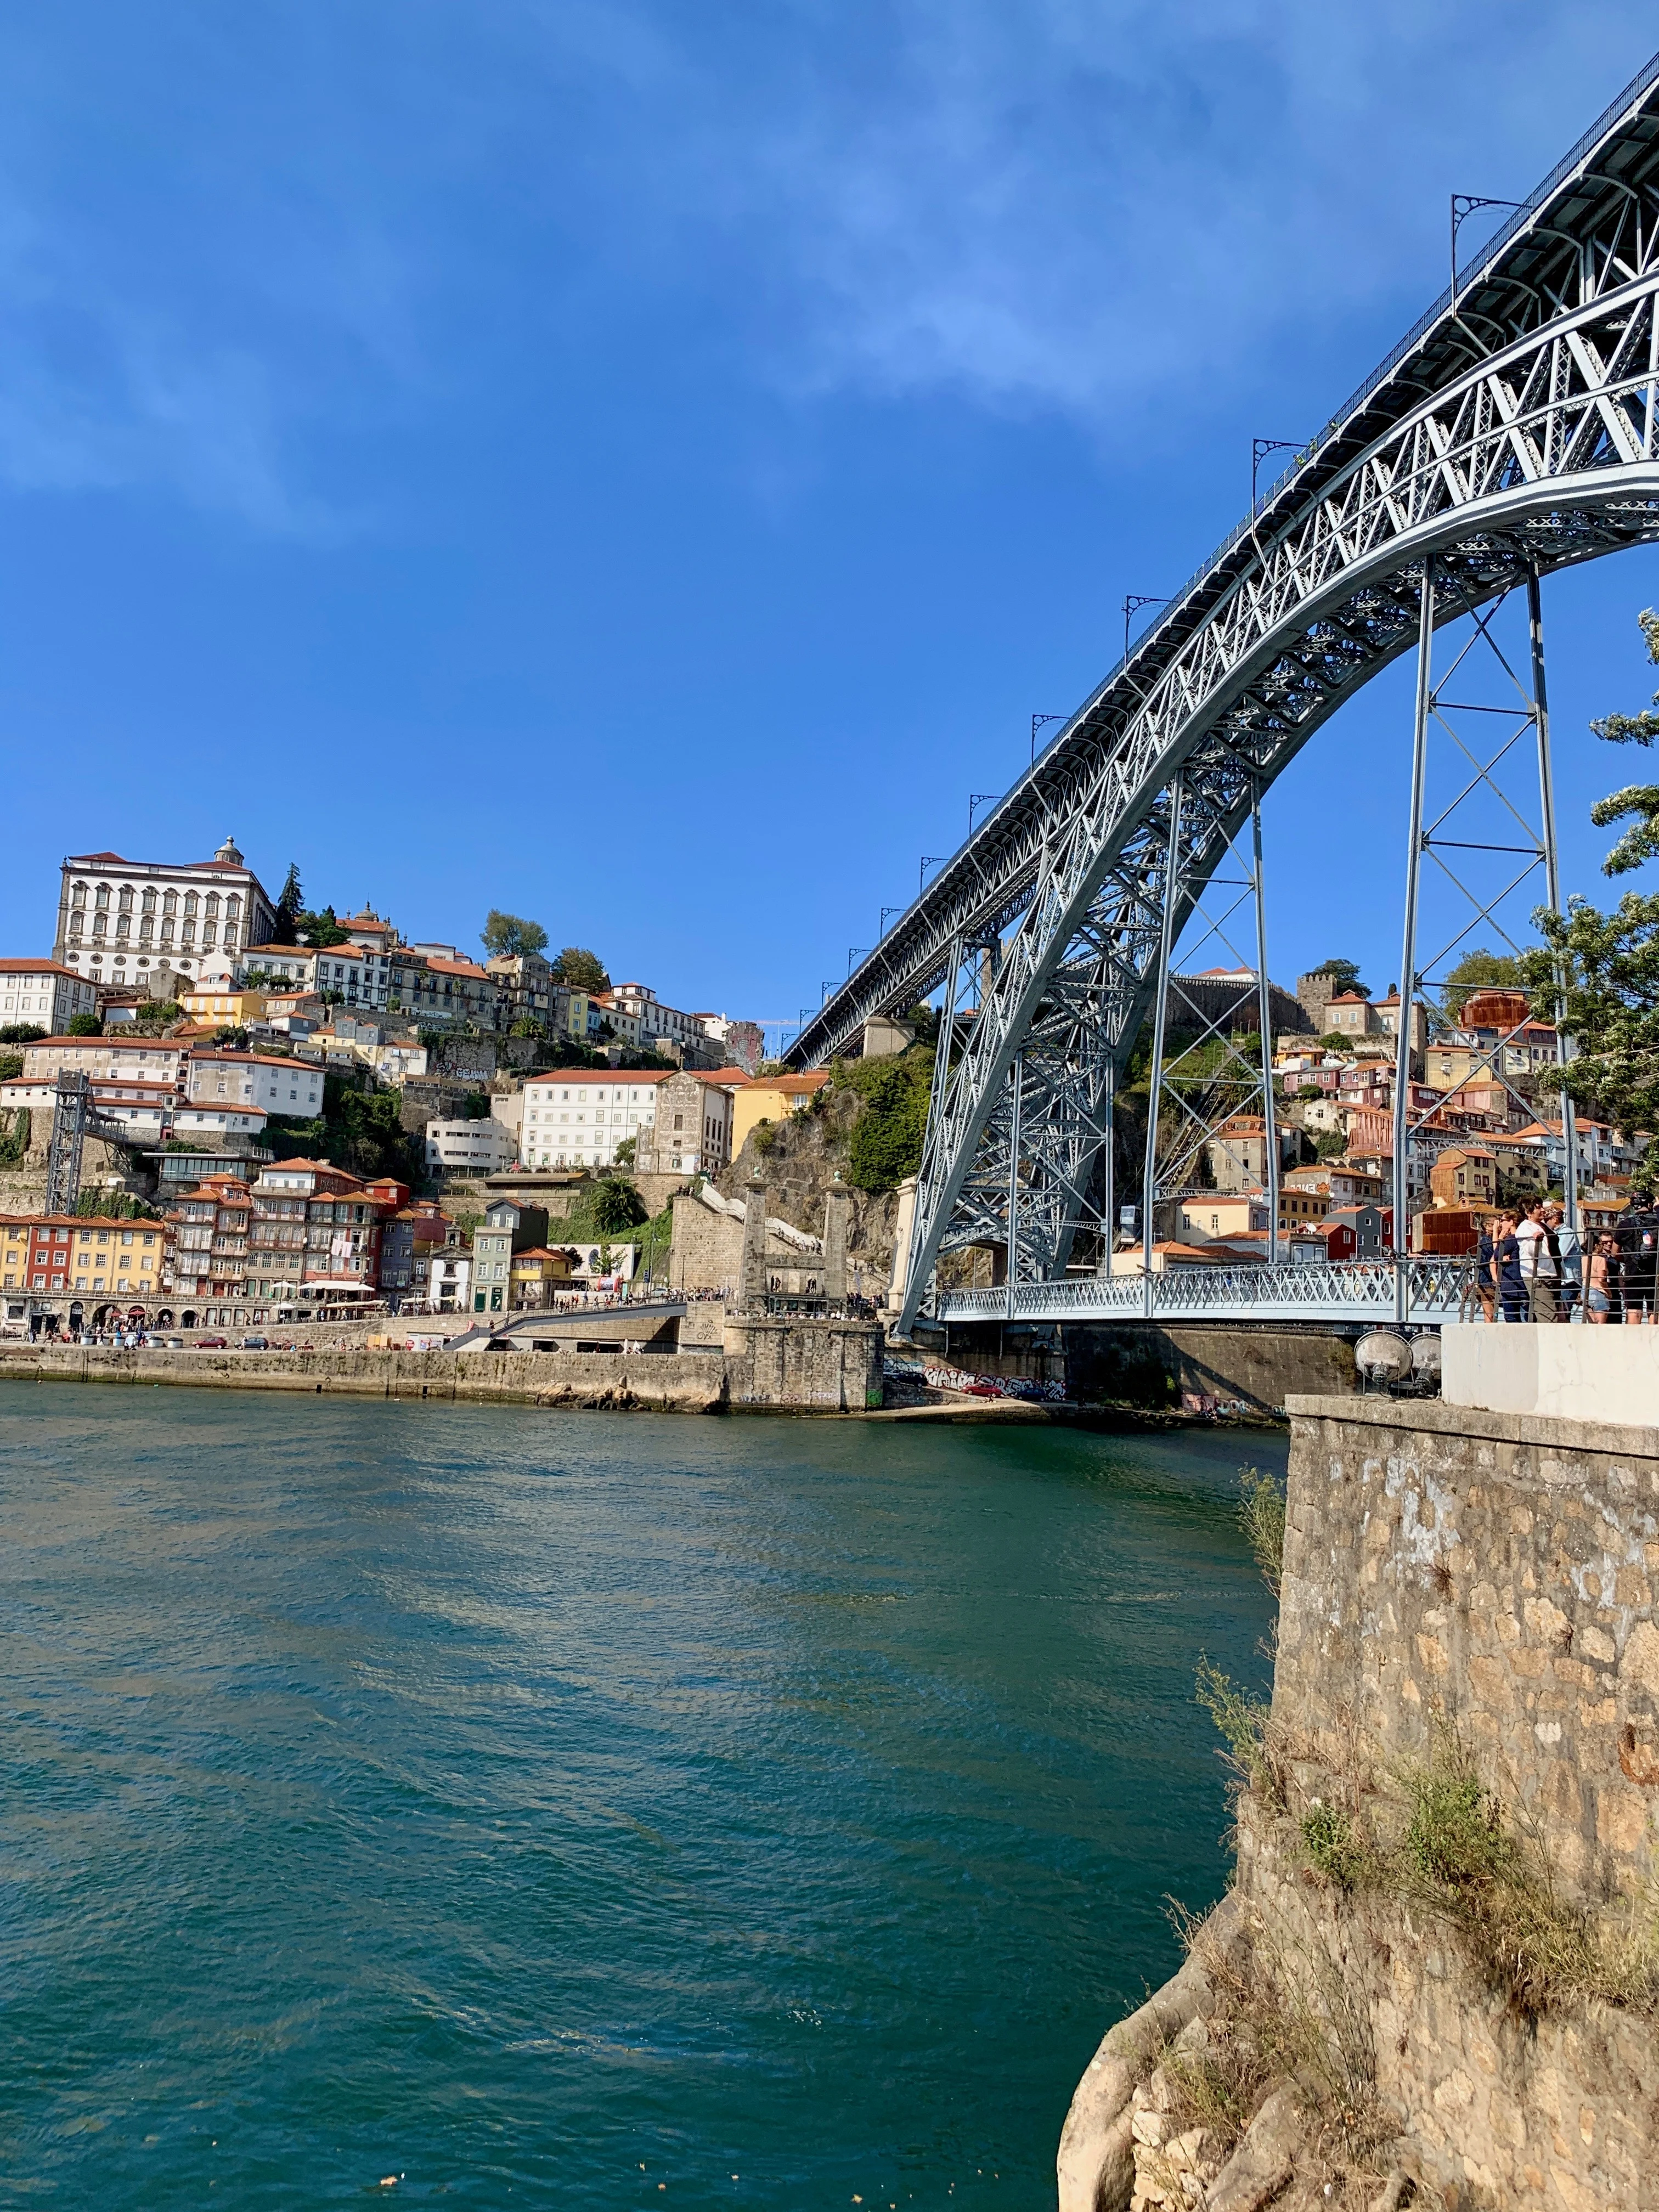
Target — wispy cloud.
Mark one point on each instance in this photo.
(1089, 207)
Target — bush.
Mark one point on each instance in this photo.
(21, 1033)
(886, 1142)
(1261, 1516)
(1332, 1844)
(615, 1206)
(86, 1025)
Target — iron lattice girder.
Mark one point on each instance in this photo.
(1253, 722)
(1574, 401)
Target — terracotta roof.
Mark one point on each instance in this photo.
(74, 1221)
(456, 968)
(39, 968)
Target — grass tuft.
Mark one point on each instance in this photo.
(1261, 1516)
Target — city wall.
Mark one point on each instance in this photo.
(1464, 1592)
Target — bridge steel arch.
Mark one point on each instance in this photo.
(1514, 431)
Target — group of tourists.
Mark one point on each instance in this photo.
(1530, 1265)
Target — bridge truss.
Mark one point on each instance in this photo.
(1513, 431)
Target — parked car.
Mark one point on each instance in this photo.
(256, 1344)
(213, 1344)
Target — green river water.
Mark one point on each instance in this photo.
(409, 1803)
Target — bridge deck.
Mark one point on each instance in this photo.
(1422, 1294)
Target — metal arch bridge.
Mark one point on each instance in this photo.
(1513, 431)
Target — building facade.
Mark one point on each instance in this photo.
(43, 991)
(117, 918)
(468, 1148)
(691, 1131)
(574, 1118)
(507, 1228)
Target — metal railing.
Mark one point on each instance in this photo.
(1360, 1290)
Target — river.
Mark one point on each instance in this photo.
(604, 1810)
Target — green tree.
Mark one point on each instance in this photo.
(21, 1033)
(1477, 970)
(1344, 974)
(885, 1143)
(615, 1206)
(1599, 976)
(86, 1025)
(580, 970)
(504, 935)
(291, 905)
(323, 928)
(625, 1150)
(1638, 803)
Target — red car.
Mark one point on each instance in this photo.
(213, 1344)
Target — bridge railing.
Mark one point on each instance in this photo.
(1357, 1289)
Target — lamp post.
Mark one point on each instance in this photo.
(1037, 721)
(1132, 603)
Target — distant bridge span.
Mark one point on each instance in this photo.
(1513, 431)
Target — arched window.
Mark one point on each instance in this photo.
(78, 895)
(190, 901)
(169, 902)
(126, 900)
(233, 907)
(102, 899)
(213, 903)
(150, 899)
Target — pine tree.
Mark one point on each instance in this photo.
(291, 905)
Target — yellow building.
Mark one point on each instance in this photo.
(228, 1006)
(537, 1275)
(65, 1252)
(772, 1098)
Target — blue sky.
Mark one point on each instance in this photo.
(642, 464)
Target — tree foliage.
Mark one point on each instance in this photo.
(358, 1128)
(291, 905)
(885, 1143)
(505, 936)
(21, 1033)
(319, 928)
(85, 1025)
(1478, 971)
(1638, 803)
(1344, 974)
(580, 970)
(615, 1206)
(1599, 976)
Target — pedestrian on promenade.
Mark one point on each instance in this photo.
(1602, 1287)
(1486, 1271)
(1570, 1257)
(1511, 1284)
(1540, 1263)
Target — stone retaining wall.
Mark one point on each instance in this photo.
(690, 1383)
(1458, 1584)
(1493, 1572)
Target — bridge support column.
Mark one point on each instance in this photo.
(1553, 880)
(1402, 1212)
(1160, 1015)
